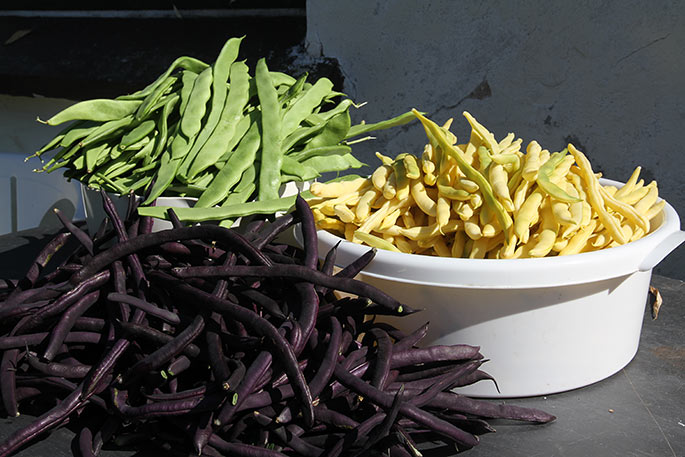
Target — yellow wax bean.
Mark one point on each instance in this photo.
(440, 248)
(507, 251)
(562, 213)
(427, 163)
(476, 201)
(561, 170)
(632, 214)
(457, 248)
(560, 244)
(344, 213)
(442, 211)
(337, 189)
(599, 240)
(401, 181)
(587, 214)
(611, 190)
(520, 194)
(523, 220)
(513, 148)
(579, 240)
(421, 232)
(636, 195)
(329, 223)
(485, 216)
(390, 187)
(326, 206)
(468, 185)
(485, 135)
(472, 228)
(375, 219)
(427, 243)
(489, 230)
(506, 141)
(385, 160)
(430, 179)
(375, 241)
(380, 176)
(412, 167)
(498, 180)
(637, 234)
(349, 231)
(463, 210)
(363, 208)
(532, 161)
(656, 209)
(389, 220)
(646, 202)
(594, 196)
(452, 193)
(629, 186)
(402, 244)
(420, 217)
(515, 180)
(479, 248)
(427, 205)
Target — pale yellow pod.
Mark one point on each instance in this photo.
(636, 195)
(411, 167)
(655, 209)
(611, 190)
(427, 163)
(428, 243)
(506, 141)
(499, 181)
(520, 194)
(637, 234)
(363, 207)
(408, 218)
(599, 240)
(580, 239)
(543, 244)
(423, 201)
(523, 220)
(563, 169)
(389, 220)
(562, 213)
(632, 214)
(440, 247)
(419, 232)
(385, 160)
(457, 248)
(349, 231)
(629, 185)
(329, 223)
(646, 202)
(401, 180)
(380, 176)
(463, 210)
(390, 187)
(452, 226)
(508, 251)
(587, 214)
(472, 228)
(344, 213)
(479, 248)
(467, 185)
(485, 216)
(442, 211)
(513, 148)
(532, 161)
(420, 218)
(375, 219)
(484, 134)
(375, 241)
(403, 245)
(560, 244)
(544, 155)
(337, 189)
(594, 196)
(430, 179)
(476, 201)
(326, 206)
(490, 230)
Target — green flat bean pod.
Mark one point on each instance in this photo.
(95, 110)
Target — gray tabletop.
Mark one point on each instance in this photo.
(639, 411)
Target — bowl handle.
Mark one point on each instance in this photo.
(664, 248)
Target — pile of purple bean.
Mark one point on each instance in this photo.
(203, 340)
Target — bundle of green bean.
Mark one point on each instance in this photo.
(211, 132)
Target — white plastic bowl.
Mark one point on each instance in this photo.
(546, 325)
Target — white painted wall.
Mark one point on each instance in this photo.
(607, 76)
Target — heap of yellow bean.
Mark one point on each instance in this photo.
(485, 199)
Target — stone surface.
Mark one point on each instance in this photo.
(604, 75)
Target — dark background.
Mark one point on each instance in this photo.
(78, 50)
